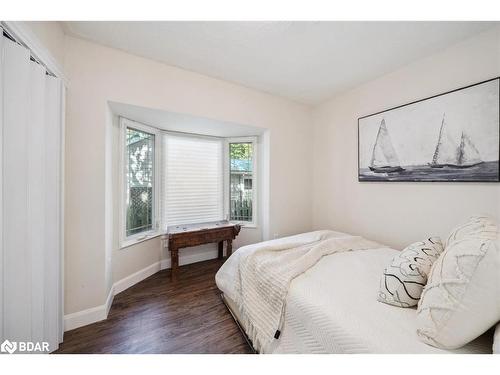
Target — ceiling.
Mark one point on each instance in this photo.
(307, 62)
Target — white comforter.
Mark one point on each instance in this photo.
(265, 273)
(332, 308)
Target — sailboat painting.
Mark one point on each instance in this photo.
(384, 158)
(453, 136)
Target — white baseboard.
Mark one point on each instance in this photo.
(133, 279)
(188, 259)
(89, 316)
(98, 313)
(109, 300)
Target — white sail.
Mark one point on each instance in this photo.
(467, 153)
(384, 154)
(446, 149)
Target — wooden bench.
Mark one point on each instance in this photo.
(182, 236)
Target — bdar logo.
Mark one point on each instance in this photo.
(8, 347)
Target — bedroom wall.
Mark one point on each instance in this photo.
(99, 74)
(51, 35)
(398, 213)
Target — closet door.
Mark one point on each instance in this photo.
(52, 187)
(30, 199)
(2, 315)
(17, 255)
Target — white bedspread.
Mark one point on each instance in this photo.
(332, 308)
(265, 275)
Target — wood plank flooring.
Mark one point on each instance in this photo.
(158, 315)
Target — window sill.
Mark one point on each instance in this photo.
(136, 240)
(245, 225)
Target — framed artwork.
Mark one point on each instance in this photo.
(454, 136)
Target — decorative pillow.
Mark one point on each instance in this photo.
(462, 297)
(478, 226)
(405, 278)
(496, 340)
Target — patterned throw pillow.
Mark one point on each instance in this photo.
(406, 276)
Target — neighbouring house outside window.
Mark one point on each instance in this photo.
(241, 165)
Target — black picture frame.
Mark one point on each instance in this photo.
(363, 179)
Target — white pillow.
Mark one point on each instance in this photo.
(478, 226)
(404, 279)
(462, 297)
(496, 340)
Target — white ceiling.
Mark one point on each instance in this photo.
(304, 61)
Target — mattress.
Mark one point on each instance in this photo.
(333, 308)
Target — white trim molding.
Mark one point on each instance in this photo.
(98, 313)
(89, 316)
(193, 258)
(136, 277)
(109, 300)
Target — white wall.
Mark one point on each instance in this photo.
(398, 213)
(51, 35)
(99, 74)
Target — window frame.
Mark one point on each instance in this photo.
(255, 180)
(158, 170)
(125, 240)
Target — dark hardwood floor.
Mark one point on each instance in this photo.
(158, 315)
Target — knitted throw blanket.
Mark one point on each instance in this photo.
(266, 272)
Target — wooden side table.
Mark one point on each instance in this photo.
(188, 235)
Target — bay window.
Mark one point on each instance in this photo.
(174, 178)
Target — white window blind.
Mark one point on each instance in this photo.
(192, 179)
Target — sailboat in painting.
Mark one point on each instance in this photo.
(448, 155)
(454, 136)
(384, 158)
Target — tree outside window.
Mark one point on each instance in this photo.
(241, 181)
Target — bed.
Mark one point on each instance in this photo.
(332, 308)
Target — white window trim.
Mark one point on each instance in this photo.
(255, 182)
(126, 241)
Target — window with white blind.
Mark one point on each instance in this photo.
(192, 179)
(173, 179)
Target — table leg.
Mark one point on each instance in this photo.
(229, 248)
(221, 249)
(174, 258)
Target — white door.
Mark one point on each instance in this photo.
(30, 199)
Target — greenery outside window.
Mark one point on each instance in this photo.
(139, 177)
(242, 180)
